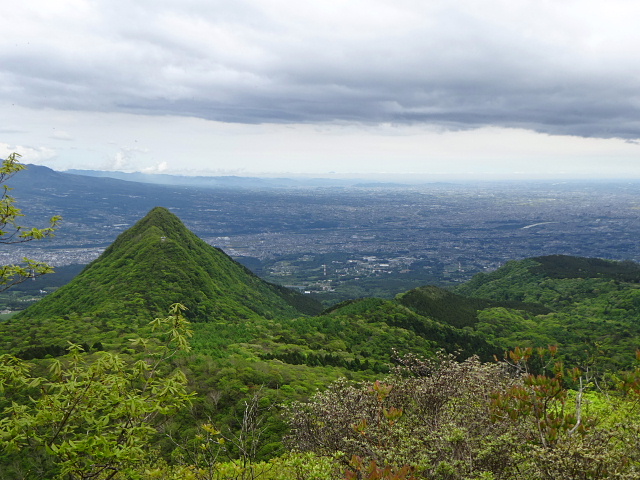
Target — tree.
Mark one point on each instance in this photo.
(558, 437)
(92, 417)
(12, 232)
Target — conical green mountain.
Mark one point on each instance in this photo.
(158, 262)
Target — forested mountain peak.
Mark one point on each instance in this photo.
(158, 262)
(160, 224)
(594, 306)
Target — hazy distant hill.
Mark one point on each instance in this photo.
(90, 206)
(41, 177)
(230, 181)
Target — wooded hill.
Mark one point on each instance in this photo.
(250, 336)
(159, 261)
(594, 306)
(152, 265)
(588, 307)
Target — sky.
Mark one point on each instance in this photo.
(433, 89)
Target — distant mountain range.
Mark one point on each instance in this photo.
(233, 181)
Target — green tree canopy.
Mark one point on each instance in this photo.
(92, 417)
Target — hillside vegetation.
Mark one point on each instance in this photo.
(369, 388)
(594, 306)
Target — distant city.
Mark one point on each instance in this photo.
(338, 241)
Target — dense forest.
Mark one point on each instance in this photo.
(166, 359)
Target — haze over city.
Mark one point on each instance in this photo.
(435, 89)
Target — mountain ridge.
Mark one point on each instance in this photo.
(235, 181)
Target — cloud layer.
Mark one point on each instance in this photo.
(566, 68)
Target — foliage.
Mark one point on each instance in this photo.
(431, 414)
(565, 266)
(564, 440)
(544, 398)
(440, 334)
(290, 466)
(439, 419)
(105, 415)
(91, 418)
(593, 306)
(214, 453)
(373, 472)
(457, 310)
(12, 232)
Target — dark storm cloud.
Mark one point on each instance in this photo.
(569, 69)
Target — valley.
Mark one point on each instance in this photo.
(344, 241)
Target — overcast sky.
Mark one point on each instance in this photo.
(443, 88)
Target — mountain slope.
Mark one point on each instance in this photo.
(439, 334)
(594, 307)
(554, 281)
(456, 310)
(158, 262)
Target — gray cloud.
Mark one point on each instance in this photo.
(569, 69)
